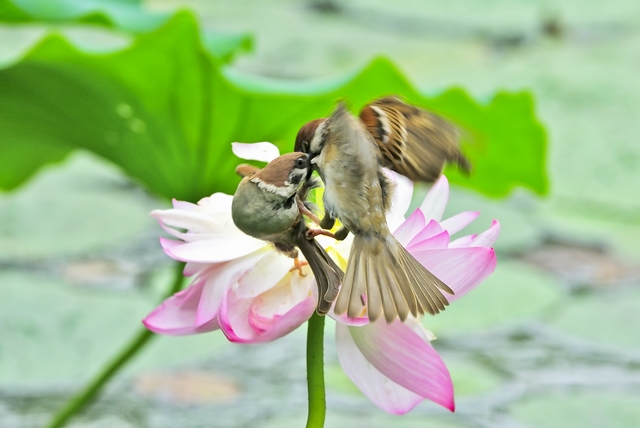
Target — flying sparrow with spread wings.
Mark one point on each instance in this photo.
(381, 277)
(269, 204)
(412, 141)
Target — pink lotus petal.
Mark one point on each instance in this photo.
(431, 229)
(410, 228)
(195, 222)
(463, 241)
(193, 268)
(460, 268)
(290, 291)
(266, 273)
(234, 319)
(488, 237)
(218, 203)
(263, 152)
(281, 325)
(182, 205)
(436, 242)
(303, 286)
(436, 200)
(211, 215)
(269, 316)
(193, 237)
(417, 327)
(176, 316)
(400, 198)
(236, 311)
(344, 319)
(384, 393)
(459, 221)
(168, 244)
(403, 356)
(219, 278)
(215, 251)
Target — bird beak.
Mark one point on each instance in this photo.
(312, 165)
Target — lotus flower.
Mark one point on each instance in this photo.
(249, 291)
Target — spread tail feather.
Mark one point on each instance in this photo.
(326, 272)
(386, 280)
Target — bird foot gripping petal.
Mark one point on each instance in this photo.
(298, 265)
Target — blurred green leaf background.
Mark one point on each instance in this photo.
(108, 108)
(165, 110)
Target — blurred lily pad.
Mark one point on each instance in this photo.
(76, 331)
(621, 235)
(470, 378)
(514, 294)
(580, 409)
(187, 387)
(82, 207)
(608, 318)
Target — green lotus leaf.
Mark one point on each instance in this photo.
(165, 110)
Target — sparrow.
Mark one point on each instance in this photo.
(413, 142)
(269, 205)
(381, 277)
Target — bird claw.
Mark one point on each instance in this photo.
(306, 212)
(297, 265)
(312, 233)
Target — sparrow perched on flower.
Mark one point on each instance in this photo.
(269, 204)
(381, 275)
(413, 142)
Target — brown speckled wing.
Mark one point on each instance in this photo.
(413, 142)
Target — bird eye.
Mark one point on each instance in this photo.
(301, 162)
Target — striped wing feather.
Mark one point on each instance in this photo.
(413, 142)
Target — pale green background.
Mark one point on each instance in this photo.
(550, 340)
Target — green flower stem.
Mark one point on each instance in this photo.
(130, 350)
(315, 372)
